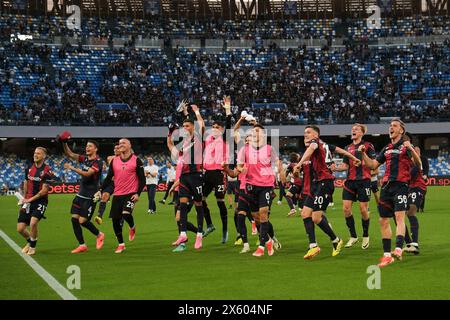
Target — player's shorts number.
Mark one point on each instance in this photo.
(368, 192)
(199, 189)
(402, 199)
(41, 208)
(221, 188)
(413, 196)
(130, 204)
(267, 196)
(318, 200)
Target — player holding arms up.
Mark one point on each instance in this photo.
(129, 181)
(399, 155)
(35, 201)
(83, 206)
(191, 178)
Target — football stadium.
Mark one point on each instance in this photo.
(241, 150)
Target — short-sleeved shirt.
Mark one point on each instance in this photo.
(192, 154)
(417, 180)
(35, 178)
(152, 169)
(398, 162)
(259, 161)
(90, 185)
(295, 179)
(361, 172)
(318, 160)
(308, 178)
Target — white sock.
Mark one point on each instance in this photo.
(387, 254)
(312, 245)
(182, 233)
(199, 234)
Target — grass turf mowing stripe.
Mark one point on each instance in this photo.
(47, 277)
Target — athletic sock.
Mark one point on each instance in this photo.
(200, 216)
(309, 228)
(90, 226)
(365, 226)
(129, 219)
(250, 217)
(408, 239)
(323, 224)
(77, 230)
(101, 208)
(399, 241)
(414, 222)
(183, 216)
(387, 246)
(350, 221)
(207, 213)
(270, 230)
(33, 243)
(223, 215)
(290, 202)
(242, 227)
(235, 218)
(117, 226)
(263, 236)
(191, 227)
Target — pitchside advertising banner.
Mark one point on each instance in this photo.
(63, 188)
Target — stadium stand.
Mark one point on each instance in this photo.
(321, 85)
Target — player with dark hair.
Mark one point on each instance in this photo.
(129, 181)
(191, 178)
(257, 159)
(399, 156)
(83, 206)
(357, 186)
(294, 192)
(109, 189)
(316, 204)
(35, 199)
(174, 189)
(215, 153)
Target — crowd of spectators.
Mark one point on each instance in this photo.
(157, 27)
(321, 85)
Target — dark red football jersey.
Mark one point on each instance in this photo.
(362, 172)
(398, 162)
(318, 160)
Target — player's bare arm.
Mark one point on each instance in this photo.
(347, 154)
(86, 174)
(415, 157)
(307, 155)
(68, 152)
(370, 163)
(42, 193)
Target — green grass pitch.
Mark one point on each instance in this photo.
(149, 270)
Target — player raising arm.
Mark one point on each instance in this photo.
(83, 205)
(399, 155)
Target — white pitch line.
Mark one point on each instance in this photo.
(47, 277)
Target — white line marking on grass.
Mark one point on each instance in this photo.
(47, 277)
